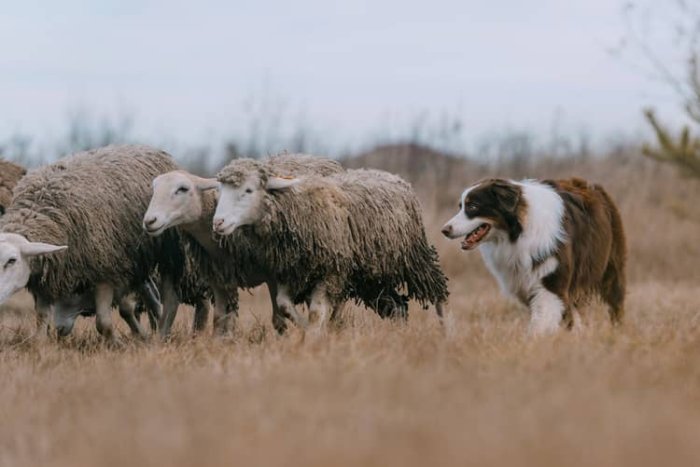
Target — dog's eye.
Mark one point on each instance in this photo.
(181, 190)
(472, 207)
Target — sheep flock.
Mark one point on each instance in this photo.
(125, 227)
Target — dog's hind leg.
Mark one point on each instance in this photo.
(612, 288)
(613, 293)
(567, 318)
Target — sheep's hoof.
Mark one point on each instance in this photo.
(313, 316)
(280, 325)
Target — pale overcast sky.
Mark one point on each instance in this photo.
(354, 68)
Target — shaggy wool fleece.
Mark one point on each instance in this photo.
(240, 264)
(360, 232)
(93, 202)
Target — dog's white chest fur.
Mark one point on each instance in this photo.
(514, 270)
(520, 266)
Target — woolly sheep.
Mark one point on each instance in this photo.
(10, 174)
(185, 200)
(68, 308)
(90, 205)
(355, 234)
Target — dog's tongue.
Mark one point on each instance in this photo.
(474, 237)
(468, 244)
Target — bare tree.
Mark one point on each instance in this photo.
(683, 151)
(679, 21)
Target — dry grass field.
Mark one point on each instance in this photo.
(476, 392)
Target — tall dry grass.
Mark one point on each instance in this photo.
(476, 392)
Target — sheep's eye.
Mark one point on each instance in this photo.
(181, 190)
(10, 262)
(248, 190)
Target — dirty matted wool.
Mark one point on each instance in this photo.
(358, 231)
(242, 262)
(93, 202)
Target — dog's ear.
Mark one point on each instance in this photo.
(507, 194)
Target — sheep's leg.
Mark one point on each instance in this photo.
(201, 315)
(153, 318)
(319, 305)
(151, 297)
(126, 311)
(170, 304)
(336, 312)
(286, 306)
(225, 309)
(104, 294)
(43, 316)
(151, 288)
(278, 321)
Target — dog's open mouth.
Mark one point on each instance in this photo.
(475, 236)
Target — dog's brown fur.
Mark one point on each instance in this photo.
(592, 261)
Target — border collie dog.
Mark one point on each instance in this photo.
(551, 244)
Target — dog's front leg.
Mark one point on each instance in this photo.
(546, 312)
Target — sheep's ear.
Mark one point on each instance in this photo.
(204, 184)
(281, 183)
(38, 248)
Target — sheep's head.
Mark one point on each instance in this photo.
(244, 185)
(176, 200)
(15, 254)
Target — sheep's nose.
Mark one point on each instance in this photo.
(447, 230)
(218, 223)
(149, 221)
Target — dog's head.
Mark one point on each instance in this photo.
(488, 210)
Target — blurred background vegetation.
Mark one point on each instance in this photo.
(274, 125)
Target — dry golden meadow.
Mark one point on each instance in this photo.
(372, 392)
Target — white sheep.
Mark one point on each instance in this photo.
(354, 234)
(74, 226)
(187, 201)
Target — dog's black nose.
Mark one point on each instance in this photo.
(447, 230)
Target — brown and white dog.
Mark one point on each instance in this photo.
(551, 244)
